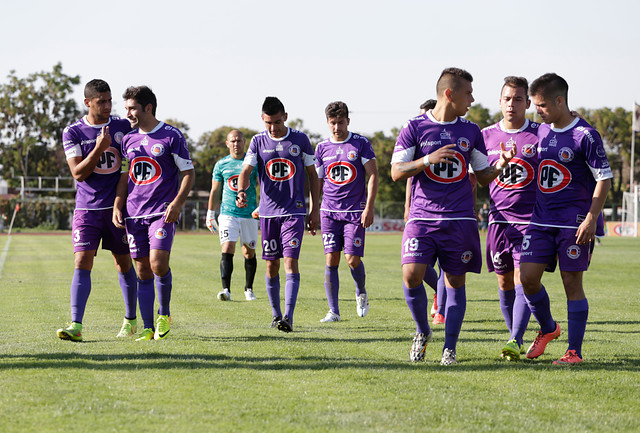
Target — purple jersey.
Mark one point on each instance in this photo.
(98, 191)
(572, 160)
(281, 164)
(441, 191)
(155, 162)
(341, 166)
(513, 192)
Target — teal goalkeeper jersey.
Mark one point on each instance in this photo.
(226, 171)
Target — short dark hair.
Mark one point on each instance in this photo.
(272, 106)
(94, 87)
(516, 82)
(451, 78)
(337, 109)
(143, 95)
(429, 104)
(550, 86)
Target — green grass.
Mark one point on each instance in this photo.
(222, 368)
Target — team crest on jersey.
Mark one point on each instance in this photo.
(529, 150)
(516, 175)
(463, 144)
(445, 135)
(294, 243)
(565, 154)
(160, 233)
(157, 149)
(299, 204)
(553, 142)
(118, 136)
(109, 162)
(448, 173)
(466, 257)
(600, 151)
(357, 242)
(352, 155)
(552, 176)
(280, 169)
(232, 183)
(341, 172)
(573, 252)
(294, 150)
(144, 170)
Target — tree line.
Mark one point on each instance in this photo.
(35, 109)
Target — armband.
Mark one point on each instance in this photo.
(426, 161)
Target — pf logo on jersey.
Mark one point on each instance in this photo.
(341, 172)
(552, 176)
(516, 175)
(109, 162)
(448, 173)
(232, 183)
(573, 252)
(280, 169)
(144, 170)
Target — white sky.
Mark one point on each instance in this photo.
(212, 63)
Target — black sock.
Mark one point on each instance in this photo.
(226, 269)
(250, 266)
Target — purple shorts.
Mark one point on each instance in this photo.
(504, 242)
(342, 230)
(281, 236)
(455, 243)
(89, 226)
(542, 244)
(146, 234)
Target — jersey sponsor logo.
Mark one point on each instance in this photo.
(352, 155)
(294, 150)
(466, 257)
(294, 243)
(280, 169)
(553, 142)
(445, 135)
(529, 150)
(516, 175)
(463, 144)
(552, 176)
(232, 183)
(573, 252)
(160, 233)
(448, 173)
(157, 149)
(144, 170)
(565, 154)
(357, 242)
(109, 162)
(341, 173)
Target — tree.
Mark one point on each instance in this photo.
(33, 113)
(184, 128)
(481, 116)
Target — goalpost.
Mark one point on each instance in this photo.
(630, 204)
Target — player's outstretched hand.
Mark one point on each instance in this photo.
(211, 222)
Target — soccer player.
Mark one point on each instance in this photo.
(154, 195)
(574, 178)
(282, 155)
(233, 222)
(344, 161)
(512, 194)
(92, 148)
(437, 148)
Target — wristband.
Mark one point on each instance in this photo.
(498, 166)
(211, 214)
(425, 161)
(242, 190)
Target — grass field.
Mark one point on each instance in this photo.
(222, 368)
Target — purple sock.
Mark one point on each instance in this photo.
(441, 293)
(291, 287)
(80, 289)
(454, 315)
(360, 277)
(273, 291)
(521, 315)
(163, 285)
(577, 312)
(332, 287)
(129, 287)
(507, 298)
(146, 299)
(417, 301)
(541, 310)
(431, 277)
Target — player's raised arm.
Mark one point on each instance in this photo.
(486, 175)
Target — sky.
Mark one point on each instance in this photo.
(211, 64)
